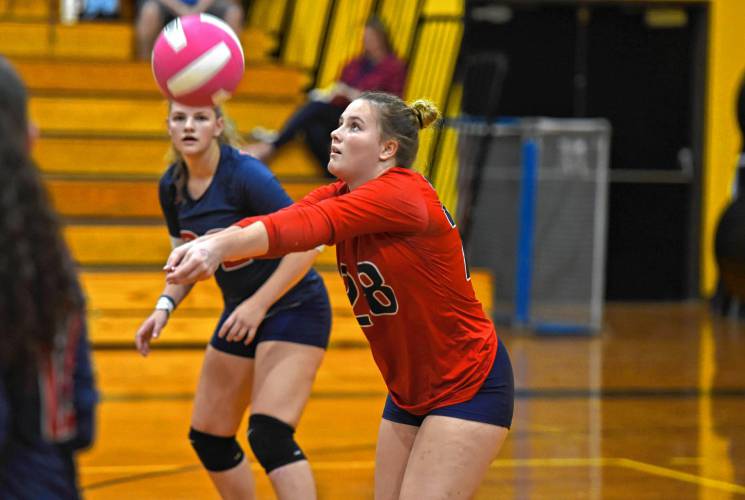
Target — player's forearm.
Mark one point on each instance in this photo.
(291, 269)
(171, 297)
(227, 230)
(297, 228)
(176, 242)
(177, 292)
(240, 243)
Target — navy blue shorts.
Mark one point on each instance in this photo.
(307, 323)
(493, 403)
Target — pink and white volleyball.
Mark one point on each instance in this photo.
(198, 60)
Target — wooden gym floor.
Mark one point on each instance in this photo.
(652, 408)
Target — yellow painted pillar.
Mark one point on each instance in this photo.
(443, 7)
(722, 137)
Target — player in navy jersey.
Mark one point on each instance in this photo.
(272, 335)
(449, 377)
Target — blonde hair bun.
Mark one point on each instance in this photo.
(425, 112)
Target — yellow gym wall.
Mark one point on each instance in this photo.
(267, 15)
(721, 134)
(302, 47)
(432, 65)
(344, 38)
(400, 16)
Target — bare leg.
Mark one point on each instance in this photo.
(262, 151)
(148, 26)
(391, 456)
(223, 393)
(284, 376)
(449, 458)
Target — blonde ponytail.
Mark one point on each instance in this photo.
(425, 112)
(402, 122)
(230, 134)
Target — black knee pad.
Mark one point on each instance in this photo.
(216, 453)
(272, 442)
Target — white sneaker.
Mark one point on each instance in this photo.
(264, 134)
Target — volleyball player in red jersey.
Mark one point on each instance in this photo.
(449, 377)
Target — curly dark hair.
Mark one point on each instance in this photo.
(39, 289)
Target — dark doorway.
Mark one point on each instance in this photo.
(642, 67)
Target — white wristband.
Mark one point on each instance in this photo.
(165, 303)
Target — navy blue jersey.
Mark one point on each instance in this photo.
(44, 419)
(241, 187)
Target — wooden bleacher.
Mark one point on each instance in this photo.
(130, 156)
(101, 41)
(266, 80)
(122, 198)
(102, 149)
(135, 116)
(119, 301)
(24, 10)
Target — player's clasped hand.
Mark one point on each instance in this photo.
(192, 262)
(243, 323)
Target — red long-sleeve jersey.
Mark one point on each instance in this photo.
(402, 262)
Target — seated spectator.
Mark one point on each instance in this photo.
(154, 14)
(377, 68)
